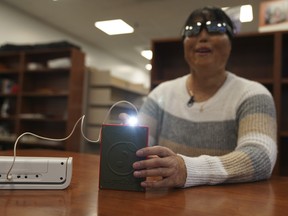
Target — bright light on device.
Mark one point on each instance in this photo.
(132, 121)
(148, 67)
(148, 54)
(114, 27)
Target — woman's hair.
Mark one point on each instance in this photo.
(213, 14)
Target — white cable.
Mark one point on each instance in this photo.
(108, 113)
(115, 104)
(82, 132)
(9, 176)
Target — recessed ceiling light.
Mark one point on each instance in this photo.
(246, 13)
(148, 67)
(114, 27)
(148, 54)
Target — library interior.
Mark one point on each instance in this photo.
(66, 81)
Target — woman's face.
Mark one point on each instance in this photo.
(207, 51)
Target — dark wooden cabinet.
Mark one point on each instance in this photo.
(168, 61)
(262, 57)
(41, 92)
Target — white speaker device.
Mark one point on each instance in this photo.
(35, 172)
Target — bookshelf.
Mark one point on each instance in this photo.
(41, 92)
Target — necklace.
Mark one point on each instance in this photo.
(192, 100)
(204, 99)
(192, 97)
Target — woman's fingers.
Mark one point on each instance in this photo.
(160, 151)
(171, 170)
(123, 117)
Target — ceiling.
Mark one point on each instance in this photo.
(152, 19)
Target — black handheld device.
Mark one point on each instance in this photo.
(119, 144)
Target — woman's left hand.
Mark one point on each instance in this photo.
(160, 162)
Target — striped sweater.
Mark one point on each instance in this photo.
(229, 138)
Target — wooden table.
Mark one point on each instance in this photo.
(83, 198)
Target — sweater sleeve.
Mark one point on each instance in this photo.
(255, 155)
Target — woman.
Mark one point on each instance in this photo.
(211, 126)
